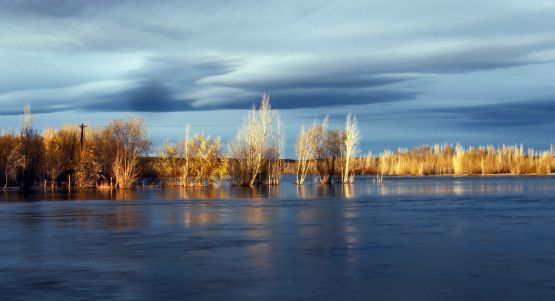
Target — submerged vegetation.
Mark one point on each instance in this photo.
(117, 156)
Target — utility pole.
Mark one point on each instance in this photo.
(82, 126)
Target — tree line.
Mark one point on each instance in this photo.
(113, 155)
(457, 160)
(116, 156)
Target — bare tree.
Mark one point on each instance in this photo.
(31, 150)
(351, 139)
(125, 168)
(251, 144)
(53, 161)
(104, 147)
(307, 145)
(11, 157)
(131, 143)
(328, 151)
(303, 156)
(15, 161)
(88, 167)
(7, 144)
(273, 163)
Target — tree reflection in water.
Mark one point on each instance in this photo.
(364, 186)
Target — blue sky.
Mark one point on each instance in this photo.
(414, 72)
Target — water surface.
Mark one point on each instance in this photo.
(468, 238)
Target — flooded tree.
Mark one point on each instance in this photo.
(197, 161)
(206, 163)
(169, 165)
(11, 157)
(307, 145)
(259, 139)
(304, 155)
(327, 155)
(351, 137)
(273, 163)
(130, 144)
(88, 167)
(173, 161)
(325, 147)
(104, 152)
(328, 151)
(31, 150)
(61, 153)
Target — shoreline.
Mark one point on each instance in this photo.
(467, 176)
(370, 176)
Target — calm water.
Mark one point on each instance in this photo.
(408, 239)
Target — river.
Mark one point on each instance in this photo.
(432, 238)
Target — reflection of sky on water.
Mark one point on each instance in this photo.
(432, 237)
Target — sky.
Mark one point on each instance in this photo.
(413, 72)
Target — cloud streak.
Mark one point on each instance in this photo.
(505, 115)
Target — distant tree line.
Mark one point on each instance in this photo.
(456, 160)
(117, 155)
